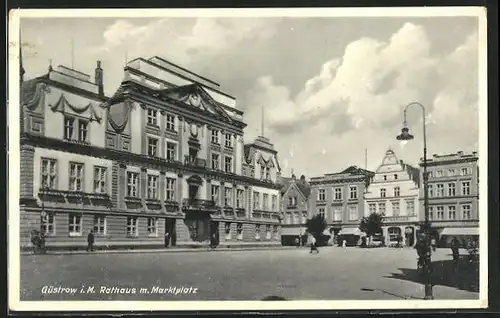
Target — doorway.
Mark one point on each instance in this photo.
(214, 231)
(171, 235)
(410, 236)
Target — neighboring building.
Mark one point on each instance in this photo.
(163, 155)
(453, 196)
(339, 197)
(294, 202)
(394, 192)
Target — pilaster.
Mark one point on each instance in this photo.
(26, 171)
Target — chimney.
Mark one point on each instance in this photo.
(99, 78)
(293, 177)
(401, 162)
(474, 153)
(303, 178)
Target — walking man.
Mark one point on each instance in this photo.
(90, 241)
(167, 239)
(313, 245)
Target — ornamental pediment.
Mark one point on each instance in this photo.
(67, 104)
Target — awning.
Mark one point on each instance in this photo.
(460, 231)
(351, 231)
(296, 231)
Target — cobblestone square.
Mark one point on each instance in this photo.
(333, 274)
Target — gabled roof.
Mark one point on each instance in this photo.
(287, 183)
(357, 171)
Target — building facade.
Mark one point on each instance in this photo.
(453, 190)
(394, 193)
(339, 198)
(295, 206)
(161, 162)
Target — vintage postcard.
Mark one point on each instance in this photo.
(247, 159)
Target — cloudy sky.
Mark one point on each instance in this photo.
(331, 87)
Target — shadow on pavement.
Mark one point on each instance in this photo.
(466, 277)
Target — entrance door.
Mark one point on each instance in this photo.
(410, 236)
(214, 230)
(171, 239)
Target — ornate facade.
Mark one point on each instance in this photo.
(453, 185)
(394, 193)
(161, 161)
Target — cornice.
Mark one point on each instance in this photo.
(73, 89)
(123, 157)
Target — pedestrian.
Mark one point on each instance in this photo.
(213, 242)
(297, 242)
(455, 245)
(167, 239)
(90, 241)
(313, 245)
(344, 243)
(433, 243)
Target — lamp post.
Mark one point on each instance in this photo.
(404, 136)
(42, 218)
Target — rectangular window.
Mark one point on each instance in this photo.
(440, 212)
(466, 212)
(48, 224)
(152, 147)
(381, 208)
(228, 141)
(337, 213)
(410, 207)
(440, 190)
(321, 211)
(152, 187)
(430, 190)
(171, 150)
(451, 172)
(170, 122)
(49, 174)
(268, 173)
(215, 193)
(395, 208)
(353, 212)
(69, 124)
(228, 196)
(82, 130)
(439, 173)
(75, 176)
(268, 232)
(265, 201)
(227, 230)
(132, 229)
(337, 192)
(431, 213)
(215, 161)
(239, 198)
(382, 193)
(239, 230)
(292, 201)
(466, 188)
(99, 225)
(452, 212)
(372, 208)
(132, 184)
(396, 191)
(353, 192)
(152, 117)
(274, 203)
(170, 189)
(75, 224)
(464, 171)
(215, 137)
(430, 174)
(261, 172)
(256, 200)
(100, 180)
(228, 164)
(321, 195)
(152, 226)
(451, 189)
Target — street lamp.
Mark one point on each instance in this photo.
(405, 136)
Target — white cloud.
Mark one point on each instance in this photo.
(366, 89)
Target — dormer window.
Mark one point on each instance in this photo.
(152, 117)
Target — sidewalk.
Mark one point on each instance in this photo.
(161, 250)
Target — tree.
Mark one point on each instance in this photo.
(372, 224)
(316, 225)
